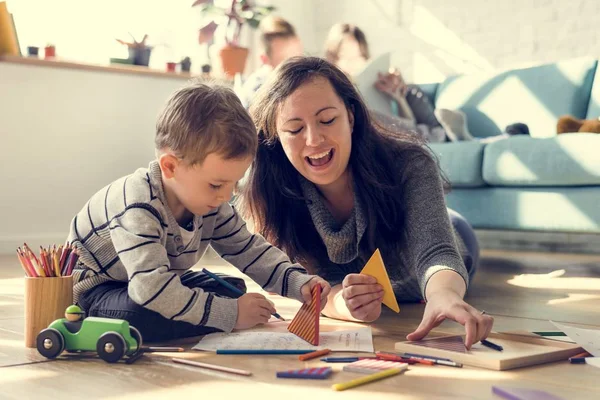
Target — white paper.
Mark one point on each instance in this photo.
(354, 340)
(365, 82)
(593, 361)
(589, 339)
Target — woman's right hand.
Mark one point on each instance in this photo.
(363, 296)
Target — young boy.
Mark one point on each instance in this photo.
(139, 236)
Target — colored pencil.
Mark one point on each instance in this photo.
(53, 261)
(152, 349)
(345, 359)
(413, 355)
(212, 367)
(314, 354)
(28, 270)
(232, 288)
(579, 358)
(491, 345)
(550, 333)
(367, 379)
(263, 351)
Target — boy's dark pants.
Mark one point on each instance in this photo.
(110, 300)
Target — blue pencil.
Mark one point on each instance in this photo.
(250, 351)
(341, 359)
(232, 288)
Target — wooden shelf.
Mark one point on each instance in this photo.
(113, 68)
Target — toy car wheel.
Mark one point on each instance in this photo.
(137, 336)
(111, 347)
(50, 343)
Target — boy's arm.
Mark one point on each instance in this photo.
(138, 240)
(253, 255)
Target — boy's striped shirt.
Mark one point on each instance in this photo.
(126, 232)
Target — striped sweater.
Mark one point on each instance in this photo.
(126, 232)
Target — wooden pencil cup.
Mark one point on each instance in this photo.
(45, 301)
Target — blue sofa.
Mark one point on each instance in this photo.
(541, 182)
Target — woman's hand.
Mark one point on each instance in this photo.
(446, 303)
(363, 296)
(391, 84)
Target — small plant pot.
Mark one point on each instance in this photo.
(33, 51)
(171, 66)
(49, 52)
(233, 60)
(140, 55)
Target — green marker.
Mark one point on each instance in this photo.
(550, 333)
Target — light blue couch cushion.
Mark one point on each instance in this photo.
(461, 162)
(536, 96)
(572, 209)
(571, 159)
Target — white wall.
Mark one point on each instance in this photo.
(432, 39)
(65, 134)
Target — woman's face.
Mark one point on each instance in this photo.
(315, 130)
(350, 59)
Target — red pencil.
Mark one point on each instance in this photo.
(28, 271)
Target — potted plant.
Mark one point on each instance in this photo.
(231, 18)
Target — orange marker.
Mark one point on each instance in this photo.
(314, 354)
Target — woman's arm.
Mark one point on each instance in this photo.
(445, 280)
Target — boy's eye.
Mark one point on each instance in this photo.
(216, 187)
(329, 122)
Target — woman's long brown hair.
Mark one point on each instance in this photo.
(271, 198)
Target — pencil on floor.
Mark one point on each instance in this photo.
(314, 354)
(367, 379)
(212, 367)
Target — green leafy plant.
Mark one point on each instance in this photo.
(233, 17)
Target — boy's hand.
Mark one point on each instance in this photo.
(363, 296)
(253, 309)
(306, 290)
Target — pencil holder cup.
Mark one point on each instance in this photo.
(45, 301)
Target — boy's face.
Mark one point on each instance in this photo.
(282, 49)
(201, 188)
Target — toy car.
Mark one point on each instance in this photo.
(111, 338)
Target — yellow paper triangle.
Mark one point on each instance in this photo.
(376, 269)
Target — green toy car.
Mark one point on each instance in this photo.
(111, 338)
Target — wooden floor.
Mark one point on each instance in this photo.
(521, 290)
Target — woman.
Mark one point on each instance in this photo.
(346, 46)
(329, 188)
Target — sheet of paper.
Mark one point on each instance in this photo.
(354, 340)
(593, 361)
(365, 82)
(589, 339)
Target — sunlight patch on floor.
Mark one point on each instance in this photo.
(554, 280)
(21, 375)
(574, 297)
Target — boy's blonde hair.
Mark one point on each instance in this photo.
(203, 118)
(272, 28)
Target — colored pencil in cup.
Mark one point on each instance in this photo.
(53, 261)
(212, 367)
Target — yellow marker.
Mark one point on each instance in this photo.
(366, 379)
(376, 269)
